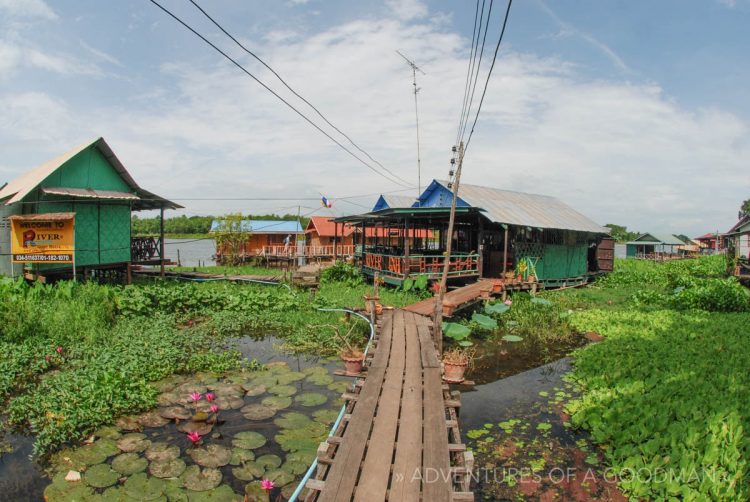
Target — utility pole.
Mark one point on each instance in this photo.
(414, 70)
(438, 322)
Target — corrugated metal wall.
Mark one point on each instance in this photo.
(6, 266)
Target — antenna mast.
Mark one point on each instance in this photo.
(414, 70)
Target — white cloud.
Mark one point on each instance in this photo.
(407, 9)
(27, 9)
(15, 56)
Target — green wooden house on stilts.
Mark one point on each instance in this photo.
(91, 182)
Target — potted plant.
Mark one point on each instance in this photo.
(455, 362)
(351, 354)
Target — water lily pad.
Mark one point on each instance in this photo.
(241, 455)
(152, 419)
(101, 476)
(168, 398)
(255, 493)
(326, 416)
(512, 338)
(129, 463)
(288, 489)
(339, 386)
(108, 432)
(175, 413)
(306, 438)
(258, 411)
(320, 379)
(128, 424)
(255, 389)
(283, 390)
(191, 387)
(484, 321)
(117, 494)
(65, 492)
(277, 402)
(292, 420)
(103, 448)
(142, 487)
(267, 379)
(292, 376)
(202, 428)
(199, 416)
(171, 468)
(133, 442)
(175, 490)
(223, 493)
(160, 452)
(248, 472)
(310, 399)
(248, 440)
(304, 456)
(268, 461)
(230, 402)
(295, 468)
(227, 389)
(279, 476)
(314, 369)
(201, 480)
(278, 367)
(213, 455)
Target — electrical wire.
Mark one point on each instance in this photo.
(308, 120)
(489, 74)
(320, 114)
(469, 68)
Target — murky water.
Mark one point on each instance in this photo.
(192, 252)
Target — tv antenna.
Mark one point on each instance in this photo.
(414, 70)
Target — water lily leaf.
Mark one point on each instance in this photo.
(326, 417)
(512, 338)
(496, 308)
(255, 389)
(541, 301)
(101, 476)
(485, 322)
(267, 379)
(223, 493)
(108, 432)
(241, 456)
(248, 472)
(202, 428)
(227, 389)
(175, 490)
(258, 411)
(310, 399)
(171, 468)
(160, 452)
(229, 403)
(295, 468)
(277, 402)
(175, 412)
(339, 386)
(279, 476)
(248, 440)
(141, 487)
(312, 370)
(278, 367)
(255, 493)
(117, 494)
(213, 455)
(283, 390)
(268, 461)
(292, 376)
(320, 379)
(292, 420)
(152, 418)
(129, 463)
(201, 480)
(306, 438)
(65, 492)
(128, 424)
(133, 442)
(304, 457)
(455, 331)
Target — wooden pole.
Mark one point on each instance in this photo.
(438, 323)
(335, 241)
(161, 241)
(505, 252)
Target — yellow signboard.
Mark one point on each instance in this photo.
(43, 238)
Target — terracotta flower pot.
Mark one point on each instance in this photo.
(353, 365)
(520, 277)
(378, 308)
(454, 372)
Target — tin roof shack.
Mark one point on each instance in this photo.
(91, 182)
(267, 238)
(497, 232)
(651, 246)
(710, 243)
(738, 248)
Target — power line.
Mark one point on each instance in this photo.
(478, 66)
(238, 65)
(489, 74)
(467, 83)
(320, 114)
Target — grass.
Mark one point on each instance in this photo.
(232, 270)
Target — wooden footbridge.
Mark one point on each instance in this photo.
(399, 439)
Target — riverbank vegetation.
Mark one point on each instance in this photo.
(194, 226)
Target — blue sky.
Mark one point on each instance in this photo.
(632, 112)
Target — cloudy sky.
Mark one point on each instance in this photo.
(634, 113)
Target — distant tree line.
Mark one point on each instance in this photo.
(744, 209)
(620, 233)
(195, 224)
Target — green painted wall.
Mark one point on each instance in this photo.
(561, 262)
(102, 229)
(630, 250)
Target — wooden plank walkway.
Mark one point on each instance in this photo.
(399, 440)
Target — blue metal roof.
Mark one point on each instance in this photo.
(265, 226)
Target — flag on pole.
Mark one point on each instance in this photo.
(326, 202)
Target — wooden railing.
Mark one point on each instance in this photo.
(144, 249)
(416, 265)
(308, 251)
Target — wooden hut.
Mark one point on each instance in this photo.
(324, 238)
(267, 239)
(655, 246)
(91, 184)
(498, 233)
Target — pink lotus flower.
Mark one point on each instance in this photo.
(59, 349)
(508, 303)
(196, 396)
(194, 437)
(267, 484)
(214, 408)
(210, 396)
